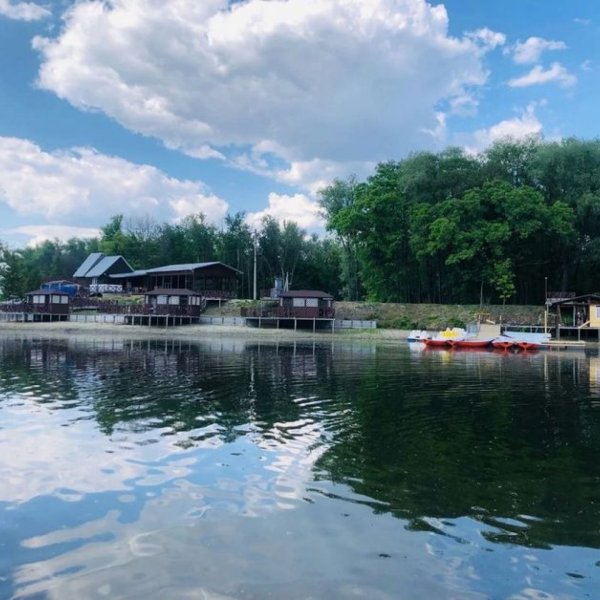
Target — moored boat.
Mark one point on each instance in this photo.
(437, 343)
(503, 343)
(446, 338)
(418, 335)
(472, 343)
(528, 345)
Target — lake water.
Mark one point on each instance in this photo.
(233, 469)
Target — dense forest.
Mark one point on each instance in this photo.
(506, 225)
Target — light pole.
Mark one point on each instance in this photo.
(254, 240)
(545, 305)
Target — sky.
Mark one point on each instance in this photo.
(166, 108)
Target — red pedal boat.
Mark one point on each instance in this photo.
(472, 343)
(503, 343)
(437, 343)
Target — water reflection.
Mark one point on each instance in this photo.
(243, 469)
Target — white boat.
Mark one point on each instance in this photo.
(533, 338)
(418, 335)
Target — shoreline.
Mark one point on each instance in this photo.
(198, 332)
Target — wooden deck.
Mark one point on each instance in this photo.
(295, 323)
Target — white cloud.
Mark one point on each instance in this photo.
(41, 233)
(586, 65)
(315, 174)
(525, 125)
(490, 39)
(211, 206)
(342, 80)
(23, 11)
(298, 208)
(529, 51)
(84, 188)
(538, 75)
(584, 22)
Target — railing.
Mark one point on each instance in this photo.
(27, 307)
(284, 312)
(218, 294)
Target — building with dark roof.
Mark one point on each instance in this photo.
(213, 280)
(97, 268)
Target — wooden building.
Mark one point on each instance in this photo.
(309, 304)
(49, 302)
(174, 302)
(576, 315)
(297, 308)
(96, 270)
(212, 280)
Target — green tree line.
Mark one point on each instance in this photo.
(282, 250)
(450, 227)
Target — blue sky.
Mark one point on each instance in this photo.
(165, 108)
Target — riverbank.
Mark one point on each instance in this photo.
(81, 329)
(390, 315)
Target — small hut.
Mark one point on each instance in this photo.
(50, 302)
(174, 302)
(306, 304)
(578, 311)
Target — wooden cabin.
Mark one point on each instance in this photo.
(578, 311)
(307, 304)
(51, 302)
(296, 304)
(173, 302)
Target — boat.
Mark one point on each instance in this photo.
(526, 345)
(503, 342)
(540, 339)
(446, 338)
(437, 343)
(472, 343)
(418, 335)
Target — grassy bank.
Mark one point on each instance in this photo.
(420, 316)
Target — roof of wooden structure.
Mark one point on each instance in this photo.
(96, 265)
(41, 292)
(179, 268)
(189, 267)
(172, 292)
(583, 299)
(305, 294)
(130, 275)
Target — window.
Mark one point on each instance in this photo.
(297, 302)
(174, 300)
(64, 299)
(39, 299)
(597, 312)
(312, 302)
(55, 299)
(161, 299)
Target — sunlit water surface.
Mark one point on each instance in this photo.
(231, 469)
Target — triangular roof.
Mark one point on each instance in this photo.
(93, 259)
(106, 263)
(96, 264)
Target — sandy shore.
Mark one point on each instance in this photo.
(94, 330)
